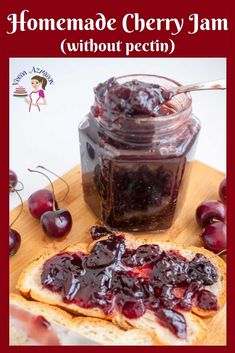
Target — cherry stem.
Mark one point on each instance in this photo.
(21, 187)
(64, 181)
(222, 252)
(21, 208)
(12, 189)
(53, 190)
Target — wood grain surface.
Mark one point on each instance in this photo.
(204, 182)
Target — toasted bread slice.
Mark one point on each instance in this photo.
(68, 328)
(30, 286)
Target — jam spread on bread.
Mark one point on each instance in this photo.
(131, 281)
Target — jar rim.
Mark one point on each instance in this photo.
(165, 118)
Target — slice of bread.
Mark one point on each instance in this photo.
(67, 327)
(30, 286)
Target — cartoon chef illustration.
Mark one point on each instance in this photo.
(37, 96)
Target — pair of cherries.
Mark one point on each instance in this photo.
(211, 216)
(42, 204)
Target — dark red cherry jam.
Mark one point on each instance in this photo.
(98, 232)
(135, 146)
(113, 277)
(131, 98)
(206, 300)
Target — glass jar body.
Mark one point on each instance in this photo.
(135, 176)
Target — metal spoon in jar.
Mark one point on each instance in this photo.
(218, 84)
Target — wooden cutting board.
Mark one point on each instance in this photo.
(203, 185)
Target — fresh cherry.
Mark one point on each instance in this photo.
(209, 212)
(14, 241)
(12, 180)
(43, 204)
(57, 223)
(223, 191)
(215, 237)
(40, 202)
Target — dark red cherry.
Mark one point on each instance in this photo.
(215, 237)
(40, 202)
(43, 204)
(14, 241)
(223, 191)
(57, 223)
(12, 180)
(209, 212)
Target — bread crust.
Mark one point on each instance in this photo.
(62, 315)
(38, 292)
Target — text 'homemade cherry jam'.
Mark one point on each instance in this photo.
(136, 145)
(113, 277)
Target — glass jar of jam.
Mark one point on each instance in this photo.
(136, 146)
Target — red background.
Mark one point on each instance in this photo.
(47, 44)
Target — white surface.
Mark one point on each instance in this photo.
(50, 137)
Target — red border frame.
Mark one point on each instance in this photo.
(204, 44)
